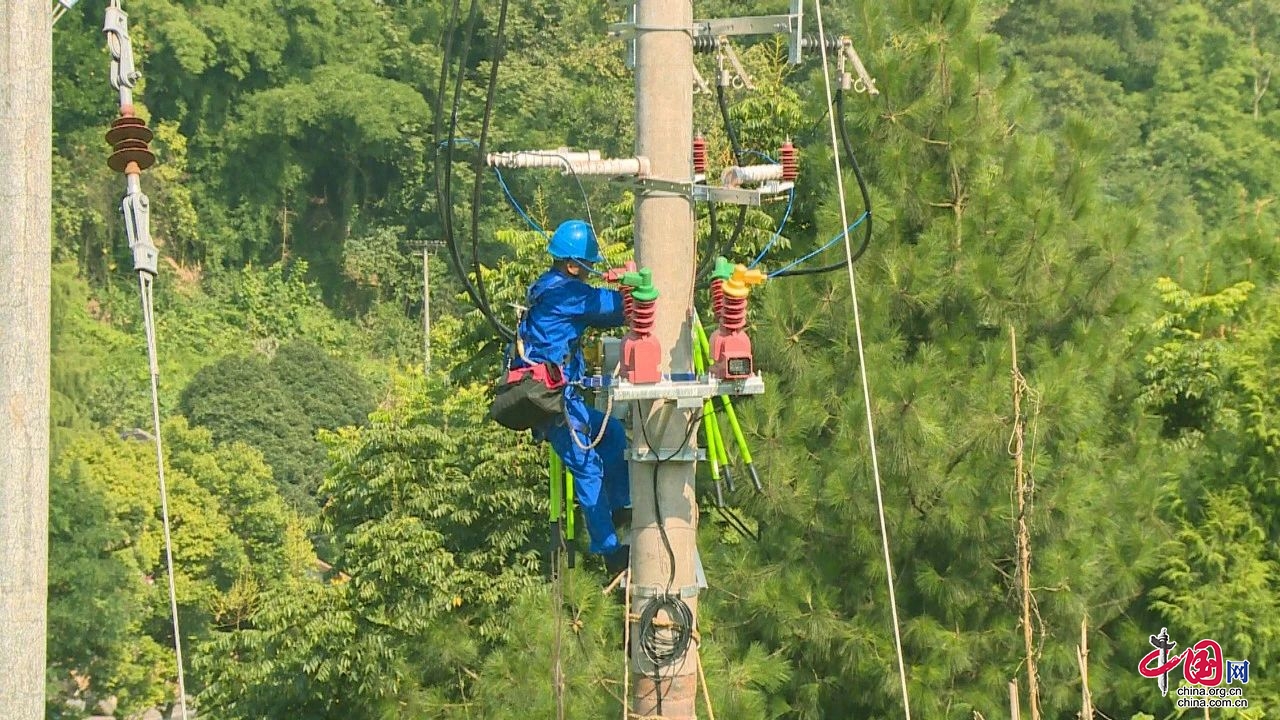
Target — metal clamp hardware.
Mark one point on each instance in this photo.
(700, 85)
(649, 592)
(62, 8)
(790, 24)
(137, 225)
(703, 388)
(116, 26)
(740, 78)
(688, 454)
(865, 82)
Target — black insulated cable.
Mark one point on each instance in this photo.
(866, 200)
(491, 93)
(735, 144)
(444, 176)
(665, 642)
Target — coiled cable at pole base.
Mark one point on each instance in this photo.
(665, 641)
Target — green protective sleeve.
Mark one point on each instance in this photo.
(705, 345)
(569, 510)
(555, 470)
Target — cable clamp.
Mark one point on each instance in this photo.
(116, 27)
(740, 78)
(136, 209)
(865, 82)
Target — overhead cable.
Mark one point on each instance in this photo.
(862, 367)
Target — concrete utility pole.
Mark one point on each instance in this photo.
(426, 308)
(25, 151)
(664, 238)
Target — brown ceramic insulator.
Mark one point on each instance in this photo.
(130, 138)
(120, 159)
(129, 131)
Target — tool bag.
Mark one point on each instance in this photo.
(529, 397)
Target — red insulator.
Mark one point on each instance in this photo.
(790, 162)
(734, 317)
(717, 296)
(628, 304)
(643, 316)
(700, 155)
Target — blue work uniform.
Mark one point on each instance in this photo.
(560, 309)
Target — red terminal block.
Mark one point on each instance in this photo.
(700, 155)
(730, 347)
(790, 161)
(615, 276)
(641, 351)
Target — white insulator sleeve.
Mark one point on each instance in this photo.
(541, 158)
(751, 175)
(636, 166)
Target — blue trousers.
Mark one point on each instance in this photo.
(601, 478)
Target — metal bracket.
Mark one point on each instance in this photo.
(797, 32)
(790, 24)
(704, 387)
(688, 454)
(652, 184)
(62, 8)
(741, 196)
(116, 27)
(754, 197)
(752, 25)
(653, 591)
(626, 31)
(699, 83)
(725, 49)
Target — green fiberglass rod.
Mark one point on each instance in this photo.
(705, 346)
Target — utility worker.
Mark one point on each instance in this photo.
(561, 306)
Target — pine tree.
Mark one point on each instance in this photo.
(983, 224)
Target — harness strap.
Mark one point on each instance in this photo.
(560, 280)
(546, 373)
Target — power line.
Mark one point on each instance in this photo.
(862, 367)
(862, 187)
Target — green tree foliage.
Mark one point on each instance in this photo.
(1211, 378)
(240, 399)
(329, 390)
(277, 406)
(1034, 165)
(433, 526)
(983, 228)
(465, 504)
(108, 585)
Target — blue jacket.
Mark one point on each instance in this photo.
(561, 308)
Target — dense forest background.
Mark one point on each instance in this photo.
(355, 541)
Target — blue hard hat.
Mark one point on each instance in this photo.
(574, 240)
